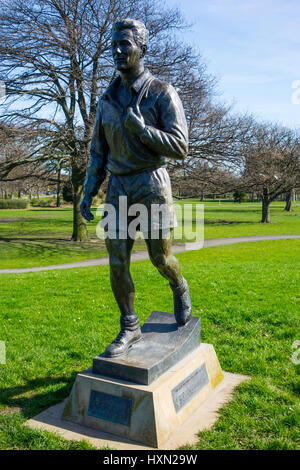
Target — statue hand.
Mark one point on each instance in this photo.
(134, 121)
(85, 208)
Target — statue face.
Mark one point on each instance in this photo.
(126, 53)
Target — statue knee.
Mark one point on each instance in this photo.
(118, 267)
(160, 261)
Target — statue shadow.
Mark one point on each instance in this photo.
(36, 394)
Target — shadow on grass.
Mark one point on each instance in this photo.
(39, 222)
(48, 242)
(55, 209)
(35, 239)
(50, 209)
(37, 394)
(235, 210)
(35, 251)
(4, 220)
(226, 222)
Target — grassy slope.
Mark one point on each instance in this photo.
(42, 236)
(55, 322)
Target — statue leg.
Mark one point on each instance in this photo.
(160, 253)
(121, 281)
(122, 286)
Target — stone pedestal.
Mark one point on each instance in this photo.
(165, 390)
(163, 344)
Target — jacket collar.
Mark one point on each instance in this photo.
(139, 82)
(136, 85)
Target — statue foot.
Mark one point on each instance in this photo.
(125, 339)
(182, 303)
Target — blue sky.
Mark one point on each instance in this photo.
(253, 47)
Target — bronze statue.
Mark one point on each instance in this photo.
(140, 121)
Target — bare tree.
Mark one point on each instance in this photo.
(289, 198)
(55, 60)
(203, 179)
(217, 138)
(17, 147)
(272, 165)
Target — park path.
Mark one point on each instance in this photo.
(143, 255)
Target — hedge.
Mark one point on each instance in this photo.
(13, 204)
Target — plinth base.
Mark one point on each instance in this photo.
(163, 344)
(145, 413)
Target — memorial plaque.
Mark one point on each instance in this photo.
(110, 407)
(184, 392)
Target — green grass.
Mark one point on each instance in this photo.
(234, 220)
(40, 237)
(247, 296)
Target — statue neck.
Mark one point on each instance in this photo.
(129, 76)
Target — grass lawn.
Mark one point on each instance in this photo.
(247, 295)
(39, 237)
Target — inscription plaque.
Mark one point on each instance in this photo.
(110, 407)
(184, 392)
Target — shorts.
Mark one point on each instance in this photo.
(141, 201)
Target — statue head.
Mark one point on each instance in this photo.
(129, 43)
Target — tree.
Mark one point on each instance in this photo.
(272, 165)
(239, 196)
(22, 167)
(289, 198)
(67, 191)
(202, 179)
(216, 137)
(55, 60)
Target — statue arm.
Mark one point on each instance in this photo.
(96, 170)
(171, 139)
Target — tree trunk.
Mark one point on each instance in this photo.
(58, 189)
(265, 211)
(202, 195)
(79, 224)
(289, 200)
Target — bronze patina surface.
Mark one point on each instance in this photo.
(163, 345)
(140, 122)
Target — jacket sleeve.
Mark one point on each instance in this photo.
(171, 138)
(96, 170)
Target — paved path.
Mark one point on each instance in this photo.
(143, 255)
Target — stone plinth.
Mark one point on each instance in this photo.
(163, 344)
(145, 413)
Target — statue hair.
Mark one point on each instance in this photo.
(139, 31)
